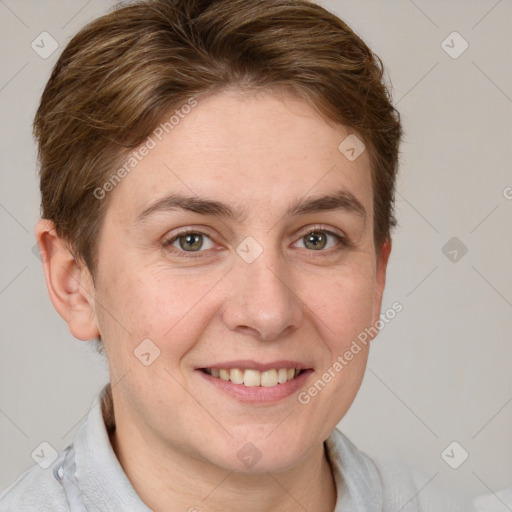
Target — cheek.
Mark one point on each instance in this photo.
(342, 303)
(156, 304)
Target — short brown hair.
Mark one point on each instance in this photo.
(124, 71)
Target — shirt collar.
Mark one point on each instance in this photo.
(358, 482)
(99, 474)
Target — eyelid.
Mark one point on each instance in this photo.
(321, 227)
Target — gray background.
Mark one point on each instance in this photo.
(441, 370)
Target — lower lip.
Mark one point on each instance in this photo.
(258, 394)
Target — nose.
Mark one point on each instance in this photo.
(262, 299)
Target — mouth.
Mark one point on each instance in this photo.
(257, 383)
(250, 377)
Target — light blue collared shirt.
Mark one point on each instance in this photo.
(87, 476)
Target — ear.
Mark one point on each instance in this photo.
(382, 264)
(69, 283)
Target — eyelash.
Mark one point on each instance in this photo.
(167, 244)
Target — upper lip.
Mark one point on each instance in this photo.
(249, 364)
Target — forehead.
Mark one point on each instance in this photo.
(253, 151)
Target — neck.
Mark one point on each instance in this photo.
(163, 475)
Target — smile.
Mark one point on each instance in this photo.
(252, 377)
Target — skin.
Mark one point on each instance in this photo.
(177, 436)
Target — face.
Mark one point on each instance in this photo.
(270, 288)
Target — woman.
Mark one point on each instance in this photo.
(217, 184)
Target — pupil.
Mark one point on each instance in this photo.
(193, 241)
(316, 239)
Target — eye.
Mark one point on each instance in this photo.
(187, 241)
(317, 239)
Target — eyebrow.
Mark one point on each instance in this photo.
(340, 200)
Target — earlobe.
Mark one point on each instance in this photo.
(69, 283)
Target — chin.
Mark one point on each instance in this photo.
(257, 452)
(254, 462)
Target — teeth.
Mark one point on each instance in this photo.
(236, 376)
(282, 375)
(253, 378)
(269, 378)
